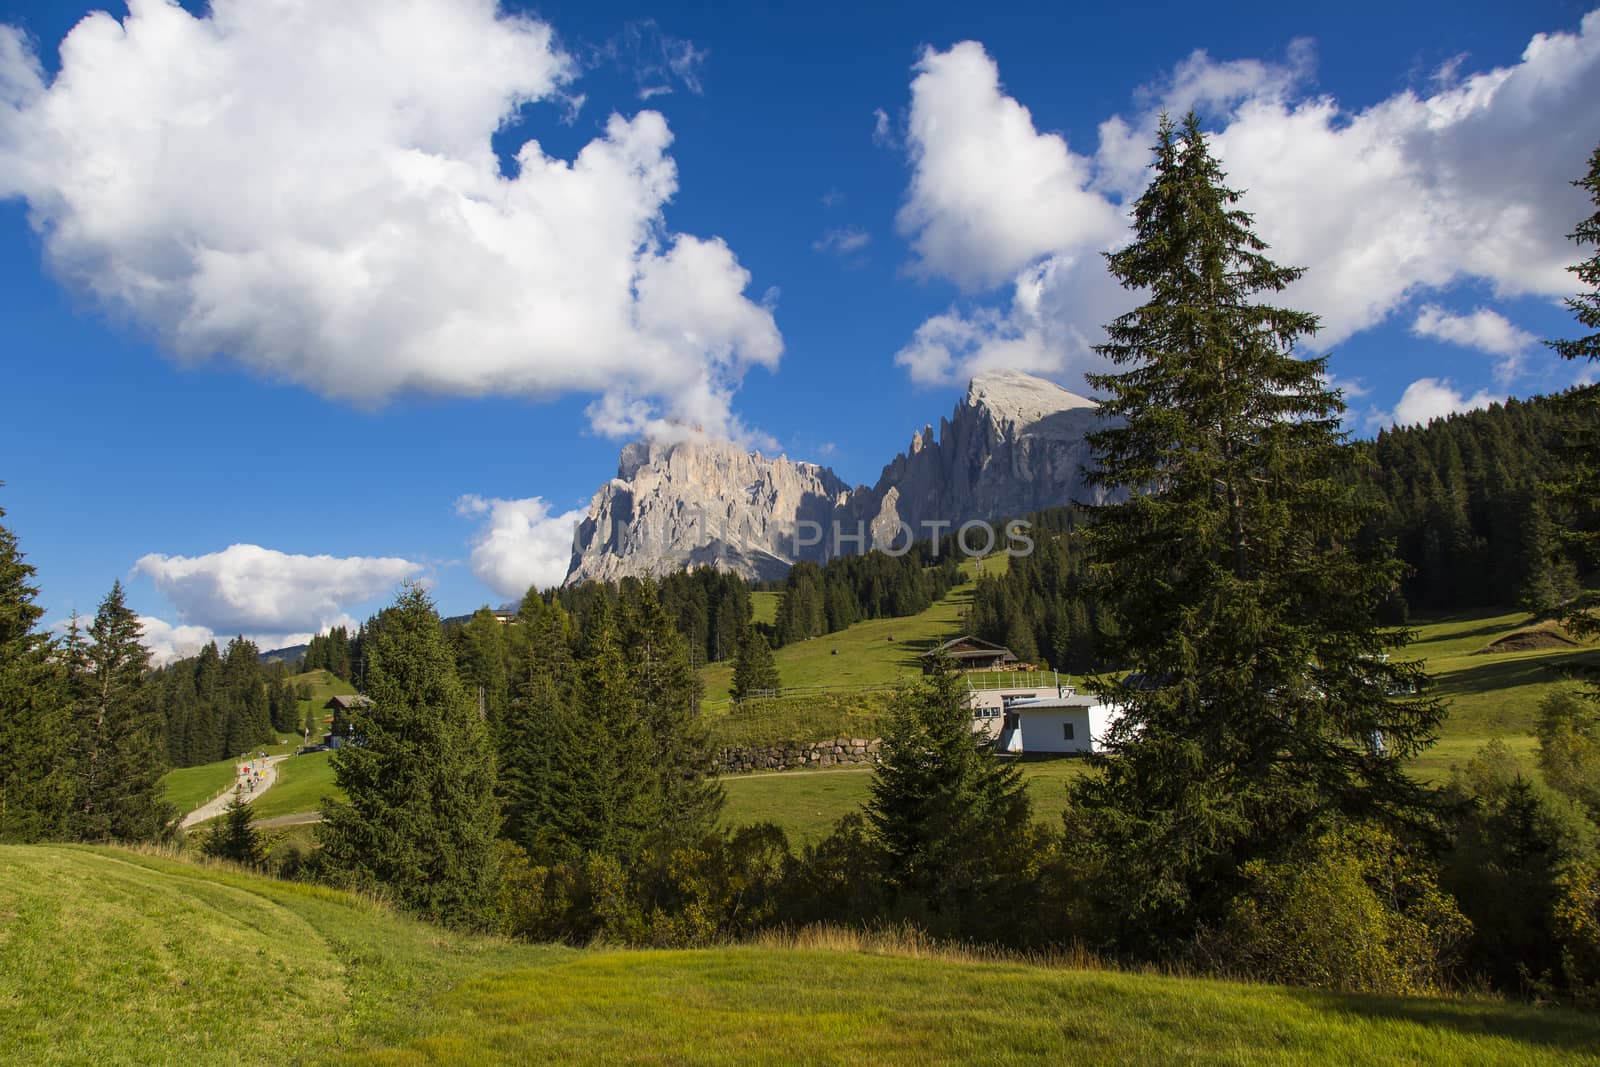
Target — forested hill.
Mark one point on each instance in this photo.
(1464, 502)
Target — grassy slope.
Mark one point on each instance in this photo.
(1490, 696)
(189, 787)
(1493, 695)
(114, 957)
(324, 684)
(866, 654)
(302, 783)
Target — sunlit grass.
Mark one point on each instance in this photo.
(116, 957)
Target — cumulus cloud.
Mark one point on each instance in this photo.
(521, 544)
(1485, 330)
(1420, 191)
(310, 189)
(1432, 398)
(250, 589)
(1049, 328)
(167, 642)
(989, 193)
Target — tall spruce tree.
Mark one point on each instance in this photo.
(1260, 700)
(1581, 489)
(119, 752)
(950, 820)
(35, 781)
(612, 800)
(422, 813)
(755, 670)
(669, 691)
(540, 724)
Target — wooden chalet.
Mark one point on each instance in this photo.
(970, 654)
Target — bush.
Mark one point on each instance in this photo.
(724, 888)
(1352, 910)
(1515, 843)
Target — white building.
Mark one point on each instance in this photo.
(990, 694)
(1069, 722)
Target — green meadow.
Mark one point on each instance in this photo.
(110, 956)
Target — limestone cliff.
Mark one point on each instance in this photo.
(1014, 444)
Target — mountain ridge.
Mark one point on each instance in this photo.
(1013, 444)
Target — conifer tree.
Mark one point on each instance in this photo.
(35, 783)
(422, 813)
(538, 728)
(755, 670)
(1582, 488)
(1260, 699)
(480, 648)
(950, 820)
(612, 801)
(669, 691)
(236, 838)
(119, 753)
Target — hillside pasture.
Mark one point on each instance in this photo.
(110, 956)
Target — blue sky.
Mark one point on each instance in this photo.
(276, 279)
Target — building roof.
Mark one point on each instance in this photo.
(346, 701)
(1071, 700)
(969, 647)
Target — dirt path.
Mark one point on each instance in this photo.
(217, 805)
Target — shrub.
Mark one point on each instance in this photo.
(1351, 910)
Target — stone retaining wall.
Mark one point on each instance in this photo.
(795, 755)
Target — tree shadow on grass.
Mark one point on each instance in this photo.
(1534, 1027)
(1501, 674)
(1487, 630)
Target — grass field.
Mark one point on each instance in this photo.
(302, 783)
(189, 787)
(1490, 695)
(874, 653)
(116, 957)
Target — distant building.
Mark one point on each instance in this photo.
(970, 654)
(1034, 712)
(1069, 723)
(991, 694)
(341, 705)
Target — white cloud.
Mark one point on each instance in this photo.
(1485, 330)
(882, 132)
(657, 60)
(843, 240)
(1049, 328)
(250, 589)
(1418, 192)
(310, 189)
(1432, 398)
(989, 194)
(521, 544)
(167, 642)
(1410, 195)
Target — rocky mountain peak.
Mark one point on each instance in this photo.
(1015, 444)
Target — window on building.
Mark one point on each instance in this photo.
(1066, 731)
